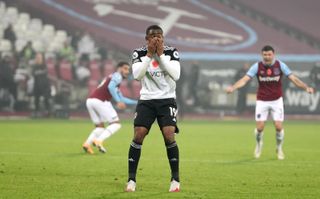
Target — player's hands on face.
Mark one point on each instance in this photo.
(152, 46)
(229, 89)
(160, 46)
(310, 90)
(121, 105)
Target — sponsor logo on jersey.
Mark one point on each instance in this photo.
(269, 79)
(157, 73)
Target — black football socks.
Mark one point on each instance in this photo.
(173, 156)
(133, 159)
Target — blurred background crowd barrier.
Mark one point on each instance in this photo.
(54, 52)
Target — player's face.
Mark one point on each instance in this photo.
(268, 57)
(154, 34)
(125, 70)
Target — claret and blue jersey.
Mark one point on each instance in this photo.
(109, 88)
(269, 78)
(115, 92)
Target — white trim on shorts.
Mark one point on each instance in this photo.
(275, 107)
(101, 111)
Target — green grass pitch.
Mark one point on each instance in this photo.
(44, 159)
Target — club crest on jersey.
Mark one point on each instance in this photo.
(276, 71)
(176, 54)
(135, 55)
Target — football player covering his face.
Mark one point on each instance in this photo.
(155, 42)
(157, 67)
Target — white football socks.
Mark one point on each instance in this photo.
(259, 135)
(110, 130)
(280, 138)
(94, 134)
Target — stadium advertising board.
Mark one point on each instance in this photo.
(212, 82)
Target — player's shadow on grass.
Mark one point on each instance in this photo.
(138, 194)
(141, 192)
(78, 154)
(247, 160)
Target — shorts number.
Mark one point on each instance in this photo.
(173, 111)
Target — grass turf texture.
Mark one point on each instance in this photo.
(44, 159)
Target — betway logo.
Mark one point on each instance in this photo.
(303, 99)
(158, 73)
(269, 79)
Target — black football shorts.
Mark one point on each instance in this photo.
(164, 110)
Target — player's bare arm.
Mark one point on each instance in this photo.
(121, 105)
(240, 83)
(300, 83)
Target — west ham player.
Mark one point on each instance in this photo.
(101, 110)
(158, 68)
(269, 73)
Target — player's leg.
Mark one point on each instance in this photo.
(279, 139)
(99, 126)
(111, 129)
(167, 113)
(134, 156)
(261, 115)
(168, 133)
(144, 117)
(277, 111)
(107, 114)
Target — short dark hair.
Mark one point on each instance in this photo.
(267, 48)
(122, 63)
(153, 27)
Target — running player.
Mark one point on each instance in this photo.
(158, 68)
(101, 110)
(269, 73)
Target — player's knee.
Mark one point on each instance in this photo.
(168, 130)
(278, 125)
(169, 140)
(139, 134)
(260, 128)
(101, 125)
(168, 135)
